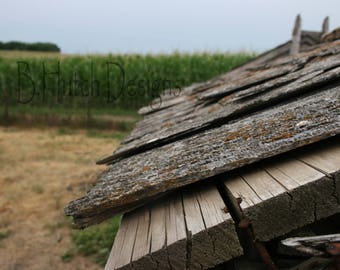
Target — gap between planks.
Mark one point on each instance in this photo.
(278, 195)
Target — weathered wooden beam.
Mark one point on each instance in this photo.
(192, 229)
(296, 36)
(285, 193)
(139, 178)
(252, 91)
(174, 97)
(187, 230)
(325, 26)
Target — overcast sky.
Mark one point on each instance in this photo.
(156, 26)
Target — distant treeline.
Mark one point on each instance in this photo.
(23, 46)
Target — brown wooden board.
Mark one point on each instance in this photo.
(135, 180)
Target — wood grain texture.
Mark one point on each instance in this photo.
(240, 95)
(137, 179)
(286, 193)
(190, 230)
(187, 230)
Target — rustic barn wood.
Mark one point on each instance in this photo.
(210, 90)
(325, 26)
(285, 193)
(296, 36)
(317, 68)
(266, 133)
(191, 229)
(172, 97)
(139, 178)
(188, 230)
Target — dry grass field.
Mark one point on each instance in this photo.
(40, 171)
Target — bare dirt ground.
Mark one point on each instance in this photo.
(40, 172)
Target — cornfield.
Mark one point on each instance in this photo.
(103, 81)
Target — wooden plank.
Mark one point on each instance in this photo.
(155, 131)
(306, 74)
(140, 255)
(176, 233)
(119, 240)
(241, 189)
(170, 98)
(158, 235)
(326, 160)
(200, 246)
(219, 225)
(284, 193)
(193, 232)
(121, 253)
(296, 36)
(278, 195)
(262, 183)
(230, 146)
(173, 97)
(325, 26)
(212, 231)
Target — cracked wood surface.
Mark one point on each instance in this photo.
(135, 180)
(235, 95)
(190, 230)
(285, 193)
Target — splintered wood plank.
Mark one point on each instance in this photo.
(119, 240)
(176, 233)
(121, 252)
(262, 87)
(211, 235)
(140, 178)
(296, 37)
(170, 97)
(187, 230)
(140, 256)
(158, 235)
(201, 247)
(218, 223)
(284, 193)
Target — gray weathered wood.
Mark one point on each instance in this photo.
(284, 193)
(189, 231)
(121, 254)
(320, 67)
(325, 26)
(296, 36)
(137, 179)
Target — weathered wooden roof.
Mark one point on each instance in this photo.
(251, 113)
(192, 229)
